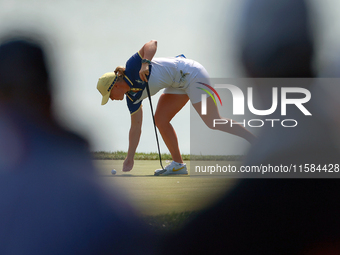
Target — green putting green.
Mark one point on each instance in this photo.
(154, 195)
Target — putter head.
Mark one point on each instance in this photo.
(160, 172)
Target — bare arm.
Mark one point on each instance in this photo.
(134, 136)
(148, 51)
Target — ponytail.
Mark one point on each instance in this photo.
(120, 71)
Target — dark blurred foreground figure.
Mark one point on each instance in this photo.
(276, 216)
(50, 200)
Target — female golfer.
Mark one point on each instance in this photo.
(180, 77)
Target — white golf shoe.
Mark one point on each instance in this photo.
(172, 168)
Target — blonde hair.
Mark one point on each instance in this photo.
(120, 72)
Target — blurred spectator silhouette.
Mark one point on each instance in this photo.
(51, 202)
(276, 216)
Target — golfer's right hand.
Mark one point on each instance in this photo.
(144, 71)
(128, 165)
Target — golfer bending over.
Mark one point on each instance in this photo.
(180, 77)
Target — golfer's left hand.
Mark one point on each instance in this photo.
(144, 71)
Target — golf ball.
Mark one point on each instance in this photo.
(113, 171)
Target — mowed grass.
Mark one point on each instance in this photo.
(154, 195)
(165, 202)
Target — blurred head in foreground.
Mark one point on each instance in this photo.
(51, 200)
(279, 214)
(26, 117)
(276, 39)
(24, 76)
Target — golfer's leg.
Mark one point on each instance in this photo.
(212, 113)
(168, 106)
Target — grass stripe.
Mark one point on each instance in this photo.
(121, 155)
